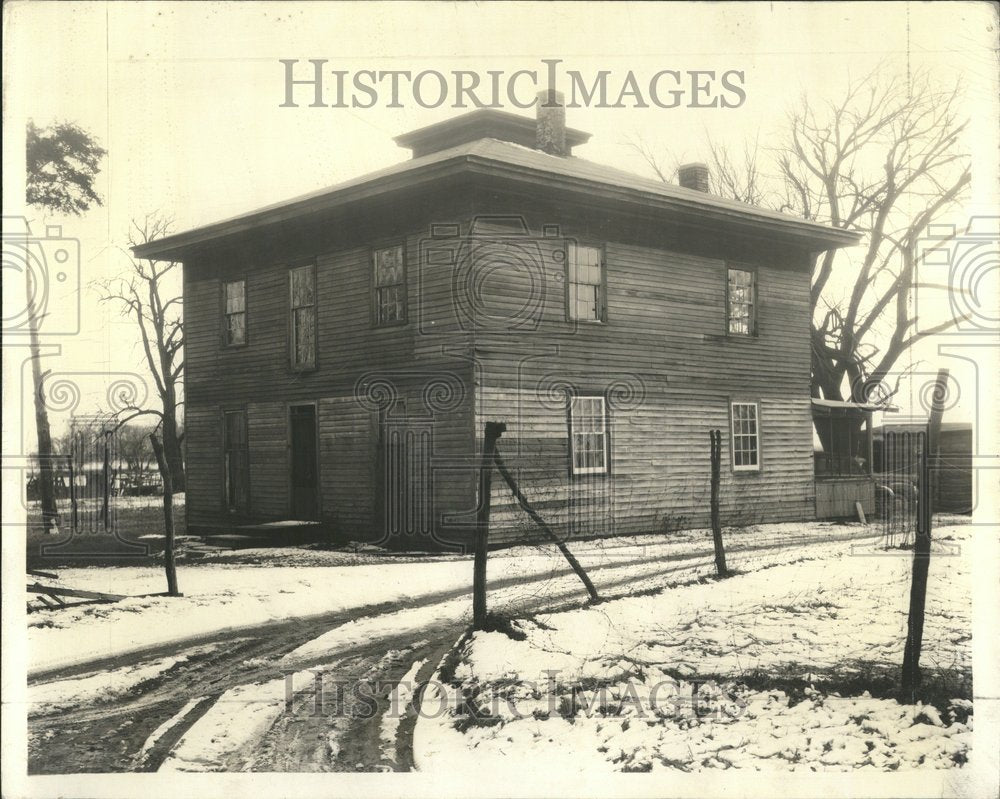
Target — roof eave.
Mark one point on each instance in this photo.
(819, 237)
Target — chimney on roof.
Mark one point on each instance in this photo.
(550, 123)
(693, 176)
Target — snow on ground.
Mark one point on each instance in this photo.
(103, 686)
(399, 700)
(224, 596)
(766, 670)
(238, 719)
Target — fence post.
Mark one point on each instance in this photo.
(922, 541)
(74, 519)
(715, 439)
(491, 433)
(107, 484)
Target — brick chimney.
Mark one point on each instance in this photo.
(693, 176)
(550, 123)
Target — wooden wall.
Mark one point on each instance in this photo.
(669, 371)
(422, 365)
(663, 358)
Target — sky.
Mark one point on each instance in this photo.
(186, 99)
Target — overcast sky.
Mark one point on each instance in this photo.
(186, 97)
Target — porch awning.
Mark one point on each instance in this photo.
(848, 406)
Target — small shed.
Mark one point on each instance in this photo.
(842, 457)
(954, 474)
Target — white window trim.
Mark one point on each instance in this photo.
(601, 286)
(604, 435)
(752, 304)
(226, 313)
(732, 435)
(295, 365)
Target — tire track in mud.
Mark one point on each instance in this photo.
(108, 737)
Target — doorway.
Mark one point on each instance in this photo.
(304, 462)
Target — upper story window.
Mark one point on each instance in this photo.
(389, 284)
(746, 437)
(235, 324)
(585, 279)
(741, 302)
(302, 317)
(588, 435)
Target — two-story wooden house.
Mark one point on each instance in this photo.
(344, 349)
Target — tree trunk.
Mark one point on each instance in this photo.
(169, 560)
(50, 514)
(172, 451)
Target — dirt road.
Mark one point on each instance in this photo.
(315, 731)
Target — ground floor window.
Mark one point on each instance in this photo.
(746, 437)
(236, 460)
(588, 435)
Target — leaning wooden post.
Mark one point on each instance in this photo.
(169, 561)
(491, 433)
(526, 507)
(922, 541)
(715, 440)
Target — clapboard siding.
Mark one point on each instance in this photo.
(663, 359)
(203, 462)
(486, 312)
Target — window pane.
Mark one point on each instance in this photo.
(740, 289)
(389, 303)
(745, 440)
(585, 282)
(389, 266)
(305, 337)
(589, 436)
(236, 328)
(302, 286)
(235, 296)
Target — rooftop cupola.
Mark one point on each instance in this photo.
(547, 132)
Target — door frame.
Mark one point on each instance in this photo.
(227, 511)
(289, 448)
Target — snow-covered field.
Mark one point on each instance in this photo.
(288, 583)
(766, 670)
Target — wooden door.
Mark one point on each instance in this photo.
(305, 472)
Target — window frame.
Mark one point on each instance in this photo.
(374, 287)
(745, 468)
(752, 322)
(224, 331)
(225, 411)
(602, 310)
(292, 365)
(589, 471)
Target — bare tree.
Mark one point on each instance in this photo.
(145, 295)
(62, 163)
(884, 160)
